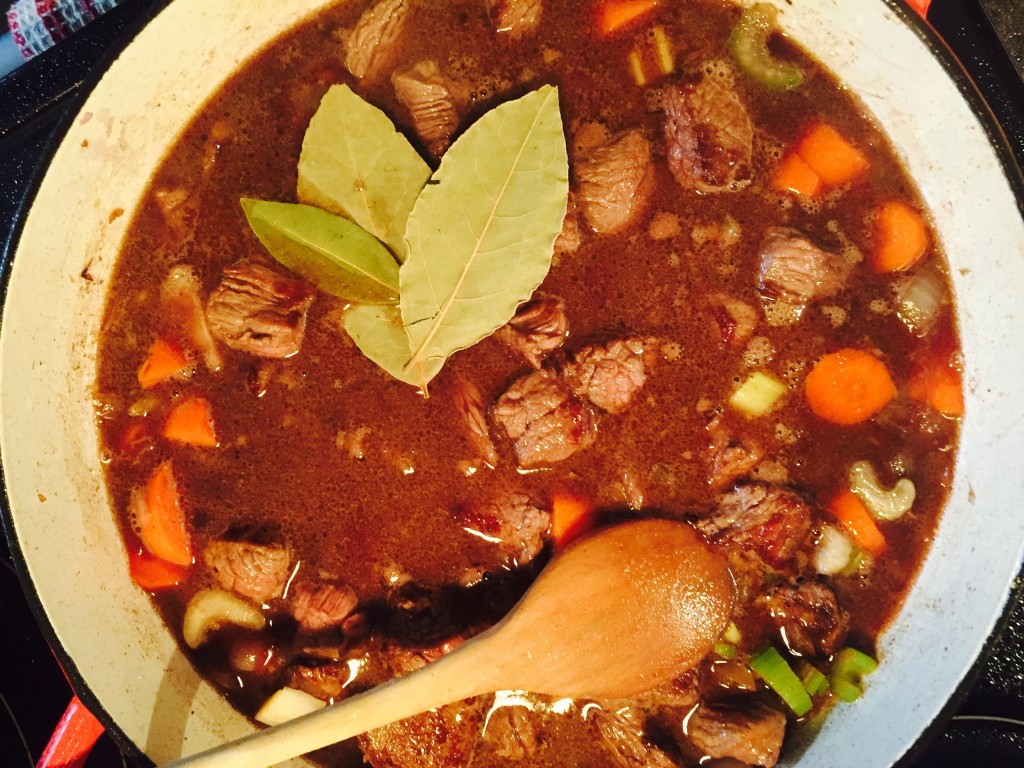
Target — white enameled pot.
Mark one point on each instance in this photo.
(67, 543)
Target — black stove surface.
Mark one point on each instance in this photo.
(986, 725)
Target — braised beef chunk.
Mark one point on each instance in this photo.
(734, 319)
(429, 97)
(250, 563)
(513, 523)
(469, 401)
(621, 734)
(512, 732)
(325, 680)
(613, 181)
(545, 420)
(323, 605)
(749, 732)
(254, 309)
(730, 457)
(771, 521)
(539, 327)
(709, 135)
(515, 17)
(794, 272)
(372, 42)
(807, 616)
(608, 375)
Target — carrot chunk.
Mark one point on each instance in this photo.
(152, 573)
(191, 422)
(159, 519)
(850, 512)
(572, 515)
(900, 238)
(165, 360)
(830, 156)
(614, 15)
(795, 175)
(848, 387)
(939, 383)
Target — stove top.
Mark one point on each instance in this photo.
(985, 726)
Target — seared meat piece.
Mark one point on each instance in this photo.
(370, 43)
(514, 17)
(730, 458)
(614, 180)
(322, 606)
(249, 562)
(420, 615)
(547, 423)
(676, 695)
(254, 309)
(734, 319)
(750, 733)
(469, 401)
(428, 97)
(709, 136)
(568, 239)
(538, 327)
(808, 617)
(794, 272)
(608, 375)
(513, 523)
(770, 521)
(182, 311)
(622, 734)
(325, 681)
(513, 732)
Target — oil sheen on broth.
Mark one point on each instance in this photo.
(373, 529)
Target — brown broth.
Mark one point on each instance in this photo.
(282, 457)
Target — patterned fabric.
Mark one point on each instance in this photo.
(37, 24)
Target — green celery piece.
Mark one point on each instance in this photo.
(749, 45)
(380, 335)
(336, 255)
(812, 678)
(481, 235)
(848, 670)
(356, 164)
(725, 650)
(780, 677)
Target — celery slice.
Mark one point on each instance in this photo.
(848, 671)
(749, 45)
(780, 677)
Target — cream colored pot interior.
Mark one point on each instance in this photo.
(65, 528)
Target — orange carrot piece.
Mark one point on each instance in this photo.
(850, 512)
(191, 422)
(939, 383)
(159, 519)
(832, 157)
(901, 239)
(572, 515)
(165, 360)
(848, 387)
(152, 573)
(613, 15)
(794, 175)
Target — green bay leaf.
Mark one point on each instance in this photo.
(482, 233)
(330, 251)
(380, 335)
(354, 163)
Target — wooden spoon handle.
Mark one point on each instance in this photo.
(463, 673)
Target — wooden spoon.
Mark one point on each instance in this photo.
(616, 614)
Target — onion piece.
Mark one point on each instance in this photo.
(287, 704)
(919, 300)
(833, 552)
(212, 608)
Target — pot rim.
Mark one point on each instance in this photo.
(937, 47)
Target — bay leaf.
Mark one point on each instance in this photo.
(380, 335)
(335, 254)
(482, 232)
(356, 164)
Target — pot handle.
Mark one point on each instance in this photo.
(72, 739)
(920, 7)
